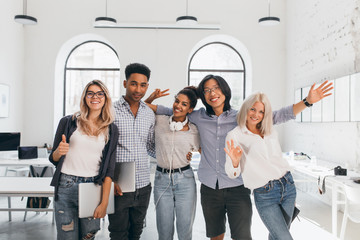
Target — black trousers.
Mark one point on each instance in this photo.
(234, 202)
(130, 211)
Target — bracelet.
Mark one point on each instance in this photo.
(306, 103)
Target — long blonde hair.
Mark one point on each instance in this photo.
(106, 116)
(265, 126)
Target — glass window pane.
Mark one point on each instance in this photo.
(217, 56)
(355, 97)
(306, 114)
(298, 99)
(316, 110)
(93, 55)
(76, 81)
(342, 99)
(235, 81)
(328, 108)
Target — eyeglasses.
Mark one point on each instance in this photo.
(99, 94)
(209, 90)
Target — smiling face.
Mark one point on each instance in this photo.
(136, 87)
(95, 98)
(255, 115)
(181, 107)
(214, 96)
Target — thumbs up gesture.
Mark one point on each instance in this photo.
(63, 147)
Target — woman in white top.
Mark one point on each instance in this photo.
(174, 185)
(253, 150)
(84, 151)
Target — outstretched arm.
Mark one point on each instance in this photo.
(314, 96)
(154, 95)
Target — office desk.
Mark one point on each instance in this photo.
(15, 162)
(335, 183)
(25, 187)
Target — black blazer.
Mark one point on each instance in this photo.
(67, 126)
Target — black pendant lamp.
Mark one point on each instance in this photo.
(105, 21)
(25, 19)
(269, 21)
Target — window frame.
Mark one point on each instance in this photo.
(219, 70)
(85, 69)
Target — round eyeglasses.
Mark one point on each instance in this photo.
(91, 94)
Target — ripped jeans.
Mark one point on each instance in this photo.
(68, 224)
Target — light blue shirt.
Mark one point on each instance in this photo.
(213, 130)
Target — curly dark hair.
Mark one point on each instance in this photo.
(137, 68)
(191, 93)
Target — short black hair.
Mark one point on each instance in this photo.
(191, 93)
(137, 68)
(225, 89)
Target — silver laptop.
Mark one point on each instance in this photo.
(125, 176)
(90, 197)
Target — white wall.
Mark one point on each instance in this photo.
(12, 64)
(166, 52)
(323, 40)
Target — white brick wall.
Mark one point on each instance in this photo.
(323, 42)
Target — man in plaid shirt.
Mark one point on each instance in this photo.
(135, 121)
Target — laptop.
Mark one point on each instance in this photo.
(89, 199)
(124, 176)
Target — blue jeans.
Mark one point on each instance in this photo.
(175, 197)
(68, 224)
(273, 201)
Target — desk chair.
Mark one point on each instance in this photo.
(36, 172)
(352, 207)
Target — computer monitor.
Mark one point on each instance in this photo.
(9, 141)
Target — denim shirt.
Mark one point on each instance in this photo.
(213, 130)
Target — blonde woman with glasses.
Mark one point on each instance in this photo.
(84, 151)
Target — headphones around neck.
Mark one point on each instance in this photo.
(177, 126)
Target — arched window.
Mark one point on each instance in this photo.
(88, 61)
(221, 59)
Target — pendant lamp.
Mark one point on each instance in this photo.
(105, 21)
(25, 19)
(186, 20)
(269, 21)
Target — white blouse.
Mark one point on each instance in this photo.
(84, 156)
(261, 160)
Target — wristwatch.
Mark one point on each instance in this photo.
(306, 103)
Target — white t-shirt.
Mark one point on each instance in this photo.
(84, 156)
(261, 160)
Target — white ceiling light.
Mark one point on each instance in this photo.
(269, 21)
(25, 19)
(186, 20)
(105, 21)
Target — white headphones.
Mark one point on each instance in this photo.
(177, 126)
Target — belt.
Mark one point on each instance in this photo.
(164, 170)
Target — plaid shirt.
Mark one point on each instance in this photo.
(136, 138)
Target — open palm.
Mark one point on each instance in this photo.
(319, 93)
(233, 152)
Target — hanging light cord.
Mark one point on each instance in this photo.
(269, 7)
(24, 6)
(106, 8)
